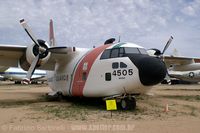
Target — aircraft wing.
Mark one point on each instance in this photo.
(11, 54)
(179, 60)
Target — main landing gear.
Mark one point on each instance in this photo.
(126, 102)
(54, 96)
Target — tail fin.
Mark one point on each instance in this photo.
(51, 34)
(175, 52)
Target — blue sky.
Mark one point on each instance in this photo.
(84, 23)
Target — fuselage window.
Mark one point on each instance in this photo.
(115, 65)
(121, 52)
(106, 54)
(123, 65)
(84, 76)
(131, 51)
(108, 76)
(114, 53)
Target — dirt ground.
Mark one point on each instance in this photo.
(25, 109)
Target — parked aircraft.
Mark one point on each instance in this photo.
(190, 76)
(18, 74)
(176, 77)
(180, 67)
(176, 63)
(111, 71)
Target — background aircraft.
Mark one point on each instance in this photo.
(189, 76)
(18, 74)
(179, 67)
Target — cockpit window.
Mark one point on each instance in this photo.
(142, 51)
(131, 51)
(120, 52)
(114, 53)
(106, 54)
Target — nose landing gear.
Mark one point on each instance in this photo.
(125, 102)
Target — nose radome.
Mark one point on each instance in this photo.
(151, 70)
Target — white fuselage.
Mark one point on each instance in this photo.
(84, 74)
(191, 76)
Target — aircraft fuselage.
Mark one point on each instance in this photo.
(108, 70)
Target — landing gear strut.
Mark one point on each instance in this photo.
(54, 96)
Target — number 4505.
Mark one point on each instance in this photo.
(124, 72)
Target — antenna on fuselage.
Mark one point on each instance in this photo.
(119, 39)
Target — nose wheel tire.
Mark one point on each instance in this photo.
(128, 103)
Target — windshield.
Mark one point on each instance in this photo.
(120, 52)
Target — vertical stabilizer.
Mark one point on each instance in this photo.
(51, 34)
(175, 52)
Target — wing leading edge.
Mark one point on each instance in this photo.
(178, 60)
(10, 54)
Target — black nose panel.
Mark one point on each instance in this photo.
(151, 70)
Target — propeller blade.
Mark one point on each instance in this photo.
(168, 79)
(59, 50)
(28, 31)
(167, 45)
(31, 69)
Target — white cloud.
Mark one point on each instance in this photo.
(189, 10)
(90, 22)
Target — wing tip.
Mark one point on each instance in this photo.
(21, 20)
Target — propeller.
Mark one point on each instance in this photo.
(28, 31)
(157, 52)
(31, 70)
(167, 77)
(167, 44)
(41, 50)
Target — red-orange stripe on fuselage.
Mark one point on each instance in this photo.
(197, 60)
(78, 82)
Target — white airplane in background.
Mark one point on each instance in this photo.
(110, 71)
(18, 74)
(2, 68)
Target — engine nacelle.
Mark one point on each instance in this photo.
(154, 52)
(30, 54)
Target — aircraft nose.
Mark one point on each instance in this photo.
(151, 71)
